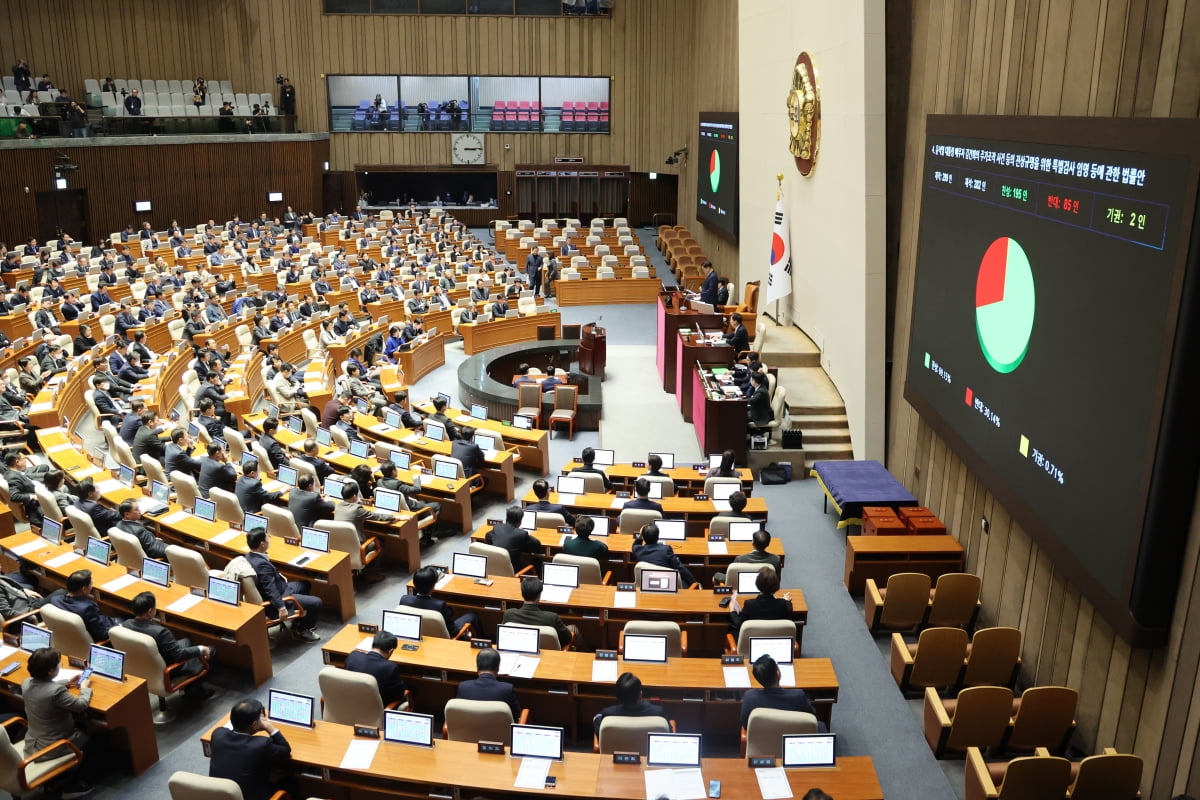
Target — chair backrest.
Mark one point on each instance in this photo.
(1035, 778)
(711, 482)
(186, 489)
(458, 465)
(350, 697)
(46, 500)
(244, 337)
(1044, 718)
(769, 628)
(229, 508)
(659, 628)
(300, 465)
(549, 519)
(980, 716)
(499, 563)
(310, 422)
(992, 657)
(475, 720)
(265, 467)
(628, 734)
(432, 622)
(236, 443)
(589, 568)
(642, 566)
(190, 786)
(939, 657)
(343, 536)
(566, 397)
(154, 470)
(720, 524)
(141, 657)
(766, 728)
(1109, 776)
(592, 482)
(736, 568)
(280, 521)
(70, 634)
(187, 566)
(250, 590)
(631, 520)
(129, 549)
(82, 524)
(906, 600)
(954, 599)
(668, 485)
(339, 437)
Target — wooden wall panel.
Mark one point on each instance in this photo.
(1095, 57)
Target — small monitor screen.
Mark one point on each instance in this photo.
(529, 520)
(523, 421)
(570, 484)
(714, 460)
(52, 531)
(747, 582)
(274, 197)
(668, 459)
(249, 461)
(293, 709)
(470, 565)
(604, 458)
(656, 490)
(602, 525)
(107, 662)
(406, 727)
(671, 530)
(537, 741)
(125, 474)
(435, 431)
(323, 437)
(644, 647)
(560, 575)
(478, 411)
(97, 550)
(721, 491)
(518, 639)
(287, 475)
(295, 424)
(445, 469)
(402, 625)
(142, 205)
(779, 648)
(485, 441)
(359, 448)
(205, 509)
(160, 491)
(333, 487)
(254, 522)
(223, 591)
(156, 572)
(401, 458)
(363, 406)
(444, 397)
(314, 539)
(271, 409)
(809, 750)
(392, 417)
(387, 499)
(660, 580)
(743, 531)
(33, 637)
(673, 750)
(193, 429)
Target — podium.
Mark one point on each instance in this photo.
(593, 344)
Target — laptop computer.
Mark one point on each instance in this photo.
(486, 442)
(656, 490)
(478, 411)
(744, 531)
(808, 750)
(406, 727)
(780, 648)
(570, 484)
(333, 487)
(34, 638)
(359, 448)
(714, 460)
(125, 474)
(324, 438)
(249, 461)
(295, 424)
(445, 469)
(254, 522)
(537, 741)
(290, 708)
(402, 625)
(107, 662)
(650, 648)
(521, 639)
(392, 418)
(602, 525)
(435, 431)
(604, 458)
(401, 458)
(747, 582)
(287, 475)
(673, 750)
(205, 509)
(98, 550)
(523, 421)
(559, 581)
(52, 531)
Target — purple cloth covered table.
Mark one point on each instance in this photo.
(850, 485)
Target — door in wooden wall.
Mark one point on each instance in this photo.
(63, 211)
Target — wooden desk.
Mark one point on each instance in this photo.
(240, 632)
(880, 557)
(691, 348)
(720, 421)
(424, 358)
(688, 480)
(697, 513)
(122, 708)
(603, 292)
(670, 320)
(532, 447)
(478, 337)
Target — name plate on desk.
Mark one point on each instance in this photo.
(481, 644)
(722, 590)
(606, 655)
(733, 659)
(639, 465)
(565, 529)
(755, 762)
(699, 497)
(366, 731)
(625, 587)
(626, 758)
(716, 537)
(366, 627)
(291, 541)
(623, 495)
(492, 748)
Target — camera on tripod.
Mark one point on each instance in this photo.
(279, 79)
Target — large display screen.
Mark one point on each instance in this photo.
(1049, 344)
(717, 172)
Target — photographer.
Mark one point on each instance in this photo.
(287, 96)
(199, 92)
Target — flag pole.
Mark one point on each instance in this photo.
(778, 194)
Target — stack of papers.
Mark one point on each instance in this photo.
(624, 599)
(65, 558)
(787, 676)
(110, 485)
(518, 666)
(225, 536)
(556, 594)
(359, 754)
(736, 677)
(604, 671)
(117, 584)
(29, 547)
(677, 784)
(718, 549)
(532, 773)
(773, 783)
(184, 603)
(176, 518)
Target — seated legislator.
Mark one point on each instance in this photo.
(508, 535)
(530, 613)
(423, 581)
(466, 451)
(487, 686)
(582, 543)
(758, 410)
(376, 663)
(306, 505)
(654, 466)
(250, 492)
(630, 701)
(274, 588)
(541, 490)
(646, 547)
(271, 445)
(766, 672)
(177, 454)
(766, 605)
(642, 502)
(727, 469)
(738, 338)
(350, 509)
(102, 516)
(52, 712)
(759, 555)
(389, 479)
(588, 457)
(215, 470)
(237, 754)
(737, 506)
(78, 600)
(131, 523)
(172, 650)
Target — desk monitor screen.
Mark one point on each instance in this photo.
(660, 580)
(295, 424)
(205, 509)
(645, 647)
(671, 530)
(469, 565)
(561, 575)
(107, 662)
(486, 441)
(34, 638)
(333, 487)
(779, 648)
(156, 572)
(387, 499)
(363, 406)
(435, 431)
(445, 469)
(721, 491)
(405, 727)
(747, 582)
(272, 410)
(193, 430)
(324, 438)
(293, 709)
(254, 522)
(714, 460)
(391, 417)
(602, 525)
(402, 625)
(125, 474)
(160, 491)
(518, 639)
(570, 484)
(673, 750)
(314, 539)
(809, 750)
(743, 531)
(604, 458)
(668, 459)
(52, 531)
(401, 458)
(537, 741)
(445, 397)
(287, 475)
(359, 448)
(656, 490)
(223, 591)
(98, 551)
(523, 421)
(249, 460)
(478, 411)
(529, 520)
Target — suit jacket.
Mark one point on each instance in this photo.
(708, 289)
(106, 407)
(760, 557)
(103, 518)
(178, 459)
(588, 548)
(274, 450)
(247, 760)
(168, 646)
(214, 426)
(432, 604)
(20, 487)
(50, 709)
(271, 585)
(488, 687)
(642, 504)
(738, 339)
(547, 507)
(385, 672)
(515, 540)
(782, 699)
(355, 513)
(662, 555)
(764, 606)
(308, 507)
(154, 547)
(218, 474)
(759, 410)
(469, 453)
(146, 442)
(644, 708)
(216, 393)
(252, 495)
(533, 614)
(96, 623)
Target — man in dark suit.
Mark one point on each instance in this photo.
(465, 450)
(206, 420)
(541, 490)
(274, 449)
(588, 457)
(102, 516)
(273, 588)
(708, 289)
(45, 318)
(439, 415)
(766, 605)
(177, 454)
(487, 686)
(146, 441)
(530, 613)
(582, 544)
(738, 338)
(423, 581)
(78, 600)
(213, 391)
(306, 505)
(130, 523)
(250, 491)
(630, 701)
(766, 672)
(351, 510)
(195, 658)
(509, 536)
(246, 759)
(533, 270)
(758, 411)
(21, 490)
(125, 321)
(377, 663)
(642, 502)
(309, 456)
(646, 547)
(215, 470)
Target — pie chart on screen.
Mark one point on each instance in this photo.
(714, 170)
(1004, 304)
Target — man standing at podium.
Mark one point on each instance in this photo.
(708, 289)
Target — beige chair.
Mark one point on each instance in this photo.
(1043, 716)
(548, 637)
(592, 483)
(631, 520)
(566, 402)
(188, 567)
(311, 423)
(71, 637)
(668, 485)
(82, 524)
(676, 637)
(251, 594)
(186, 488)
(350, 698)
(628, 734)
(46, 501)
(499, 563)
(480, 720)
(993, 658)
(1108, 776)
(303, 467)
(736, 568)
(244, 337)
(266, 469)
(1028, 778)
(154, 470)
(143, 660)
(19, 776)
(899, 606)
(550, 520)
(720, 524)
(433, 623)
(766, 727)
(978, 717)
(343, 536)
(759, 628)
(129, 548)
(709, 483)
(529, 402)
(954, 601)
(280, 522)
(935, 660)
(236, 444)
(590, 571)
(229, 508)
(190, 786)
